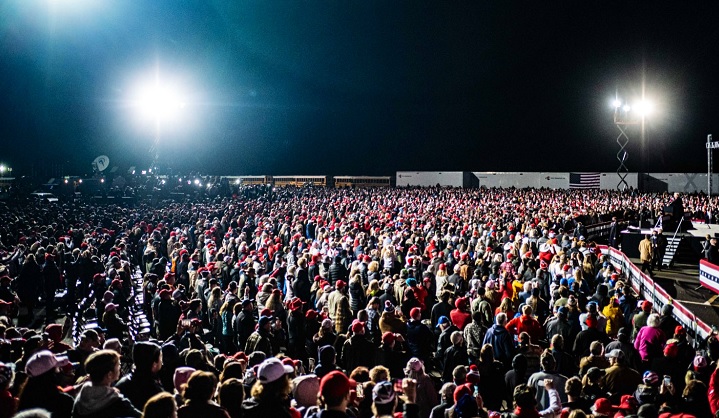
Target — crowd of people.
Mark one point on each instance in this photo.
(313, 302)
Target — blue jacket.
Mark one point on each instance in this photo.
(502, 343)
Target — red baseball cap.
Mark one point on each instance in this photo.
(336, 385)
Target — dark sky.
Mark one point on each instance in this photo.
(361, 87)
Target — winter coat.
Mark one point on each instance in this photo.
(357, 296)
(296, 331)
(526, 324)
(426, 395)
(102, 402)
(358, 351)
(138, 388)
(390, 322)
(394, 359)
(301, 285)
(259, 340)
(51, 276)
(419, 340)
(559, 326)
(502, 344)
(168, 313)
(650, 342)
(713, 392)
(491, 384)
(615, 319)
(440, 309)
(372, 325)
(460, 319)
(340, 312)
(474, 336)
(584, 340)
(444, 340)
(244, 325)
(337, 272)
(29, 282)
(454, 356)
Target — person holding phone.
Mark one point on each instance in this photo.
(385, 398)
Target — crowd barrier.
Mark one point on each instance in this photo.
(709, 275)
(648, 289)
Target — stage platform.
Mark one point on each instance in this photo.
(698, 230)
(682, 283)
(681, 280)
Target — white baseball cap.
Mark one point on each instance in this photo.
(272, 369)
(44, 361)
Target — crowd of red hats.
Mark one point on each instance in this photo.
(414, 301)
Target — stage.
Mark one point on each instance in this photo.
(681, 279)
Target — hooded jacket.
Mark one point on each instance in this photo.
(102, 402)
(502, 344)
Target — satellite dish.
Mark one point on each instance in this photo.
(101, 163)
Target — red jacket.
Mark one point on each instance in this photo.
(526, 324)
(713, 392)
(460, 319)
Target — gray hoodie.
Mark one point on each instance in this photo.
(105, 401)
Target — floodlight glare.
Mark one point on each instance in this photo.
(197, 181)
(644, 107)
(159, 102)
(617, 103)
(627, 108)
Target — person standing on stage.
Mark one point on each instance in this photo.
(659, 245)
(646, 253)
(614, 233)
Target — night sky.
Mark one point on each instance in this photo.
(361, 87)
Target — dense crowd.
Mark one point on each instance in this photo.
(310, 302)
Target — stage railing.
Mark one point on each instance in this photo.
(600, 231)
(650, 290)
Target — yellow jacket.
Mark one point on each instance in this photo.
(645, 250)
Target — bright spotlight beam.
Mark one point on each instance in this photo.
(159, 102)
(644, 107)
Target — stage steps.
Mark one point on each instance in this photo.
(678, 250)
(671, 250)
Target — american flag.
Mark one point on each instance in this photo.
(584, 180)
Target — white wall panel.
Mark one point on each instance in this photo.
(430, 178)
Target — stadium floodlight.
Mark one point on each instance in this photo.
(617, 103)
(644, 107)
(159, 102)
(627, 108)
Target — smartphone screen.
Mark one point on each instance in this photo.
(398, 386)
